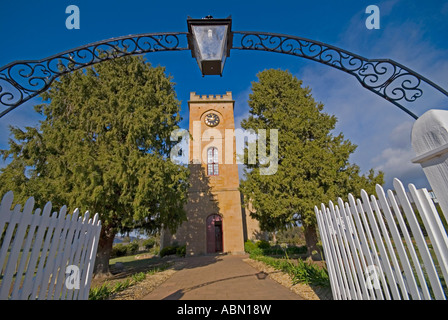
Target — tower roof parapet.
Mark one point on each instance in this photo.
(211, 97)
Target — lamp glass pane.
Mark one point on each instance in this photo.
(210, 41)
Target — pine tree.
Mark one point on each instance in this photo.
(103, 146)
(313, 164)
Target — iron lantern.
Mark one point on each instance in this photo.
(210, 41)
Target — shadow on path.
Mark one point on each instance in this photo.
(180, 293)
(220, 277)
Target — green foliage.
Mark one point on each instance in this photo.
(253, 248)
(155, 250)
(132, 248)
(106, 290)
(121, 250)
(263, 244)
(277, 250)
(103, 146)
(249, 246)
(118, 250)
(100, 293)
(263, 248)
(302, 272)
(181, 251)
(291, 236)
(137, 277)
(175, 249)
(169, 250)
(149, 243)
(309, 273)
(313, 163)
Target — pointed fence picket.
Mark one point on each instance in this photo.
(376, 248)
(36, 249)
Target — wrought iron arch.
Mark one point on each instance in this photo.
(23, 80)
(385, 77)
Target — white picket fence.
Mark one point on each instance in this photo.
(38, 249)
(376, 248)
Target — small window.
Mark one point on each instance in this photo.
(212, 161)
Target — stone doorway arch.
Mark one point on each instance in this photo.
(214, 234)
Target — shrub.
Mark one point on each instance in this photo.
(100, 293)
(256, 252)
(132, 248)
(263, 247)
(149, 243)
(118, 250)
(181, 251)
(156, 250)
(169, 250)
(249, 246)
(297, 250)
(175, 249)
(137, 277)
(303, 272)
(277, 250)
(263, 244)
(310, 273)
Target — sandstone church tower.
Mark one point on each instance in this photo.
(216, 220)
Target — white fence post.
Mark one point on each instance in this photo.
(36, 249)
(430, 143)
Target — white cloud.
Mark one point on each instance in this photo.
(400, 135)
(395, 163)
(395, 160)
(381, 130)
(242, 110)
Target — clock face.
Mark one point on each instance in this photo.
(211, 120)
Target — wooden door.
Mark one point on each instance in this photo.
(214, 234)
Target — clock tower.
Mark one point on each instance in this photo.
(216, 221)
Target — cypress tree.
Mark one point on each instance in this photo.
(313, 163)
(103, 146)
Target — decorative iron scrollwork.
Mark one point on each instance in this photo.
(23, 80)
(387, 78)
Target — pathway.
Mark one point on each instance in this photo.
(220, 277)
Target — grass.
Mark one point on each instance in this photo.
(136, 262)
(136, 269)
(107, 289)
(300, 271)
(420, 259)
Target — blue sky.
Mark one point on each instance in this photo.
(411, 33)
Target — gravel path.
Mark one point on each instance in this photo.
(143, 288)
(304, 290)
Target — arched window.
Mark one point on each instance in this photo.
(212, 161)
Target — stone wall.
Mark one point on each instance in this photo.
(213, 194)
